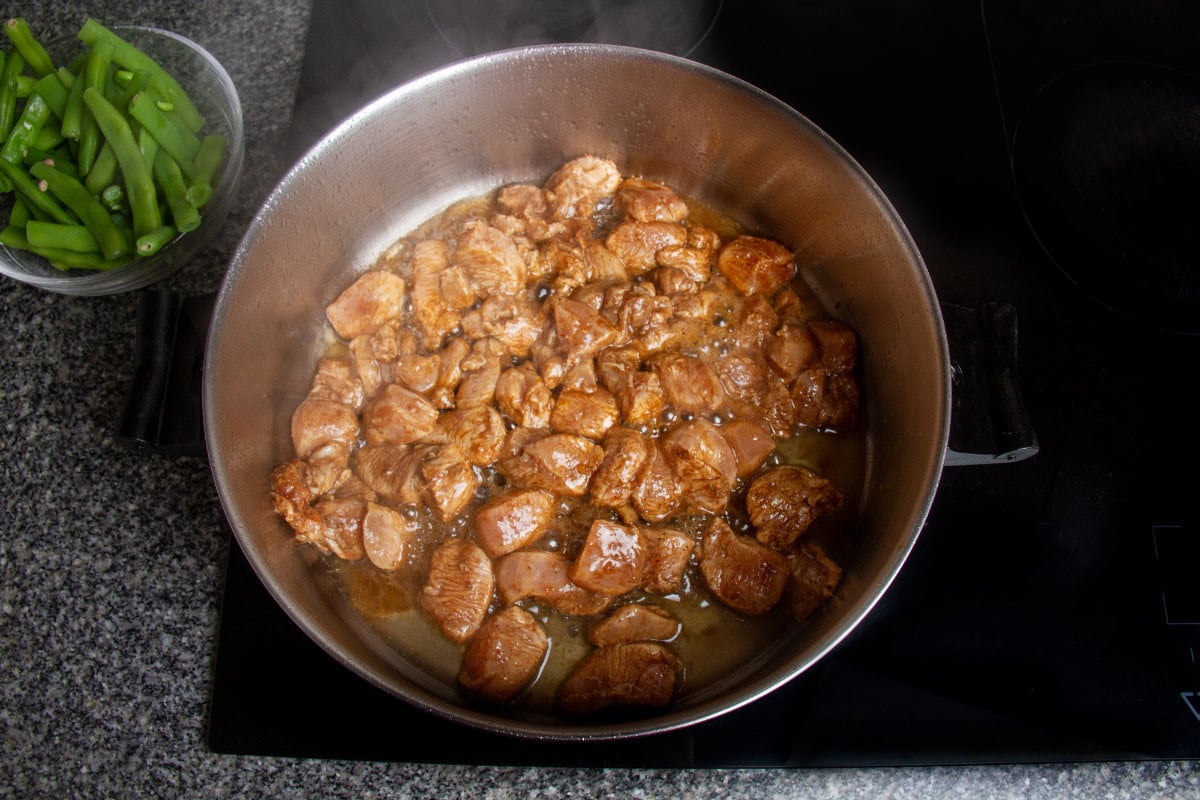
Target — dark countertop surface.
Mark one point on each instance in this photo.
(112, 560)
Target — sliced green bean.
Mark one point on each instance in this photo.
(103, 171)
(17, 30)
(25, 131)
(139, 183)
(183, 214)
(67, 259)
(53, 91)
(13, 66)
(208, 161)
(131, 58)
(76, 238)
(150, 243)
(177, 140)
(37, 199)
(65, 77)
(14, 236)
(25, 85)
(19, 214)
(95, 75)
(91, 213)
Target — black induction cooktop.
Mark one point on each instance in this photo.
(1043, 155)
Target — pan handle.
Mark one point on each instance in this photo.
(163, 410)
(988, 420)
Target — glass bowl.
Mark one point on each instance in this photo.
(213, 92)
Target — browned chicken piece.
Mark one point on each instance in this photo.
(450, 481)
(792, 350)
(637, 243)
(561, 463)
(657, 494)
(513, 520)
(418, 372)
(449, 375)
(581, 330)
(612, 561)
(703, 462)
(602, 264)
(341, 528)
(613, 482)
(667, 555)
(756, 393)
(642, 315)
(523, 396)
(647, 201)
(575, 188)
(634, 622)
(741, 572)
(695, 257)
(527, 203)
(458, 292)
(673, 280)
(754, 322)
(588, 414)
(398, 415)
(292, 499)
(393, 470)
(481, 370)
(317, 422)
(633, 674)
(561, 261)
(638, 393)
(581, 378)
(752, 444)
(544, 577)
(814, 578)
(458, 591)
(510, 320)
(837, 344)
(783, 502)
(371, 371)
(373, 299)
(387, 536)
(689, 384)
(477, 430)
(504, 655)
(490, 259)
(755, 265)
(789, 307)
(335, 380)
(825, 401)
(433, 317)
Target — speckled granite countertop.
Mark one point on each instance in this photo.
(112, 561)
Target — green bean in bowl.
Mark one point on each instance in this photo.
(119, 151)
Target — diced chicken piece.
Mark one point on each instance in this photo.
(825, 401)
(513, 520)
(634, 622)
(341, 528)
(580, 378)
(612, 561)
(575, 188)
(647, 201)
(504, 655)
(481, 370)
(417, 371)
(478, 431)
(837, 343)
(751, 443)
(371, 371)
(695, 258)
(613, 482)
(335, 380)
(458, 591)
(393, 470)
(637, 243)
(317, 422)
(602, 264)
(689, 384)
(450, 481)
(742, 573)
(510, 320)
(755, 265)
(527, 203)
(813, 580)
(433, 317)
(580, 329)
(657, 494)
(490, 259)
(667, 555)
(673, 280)
(292, 498)
(562, 261)
(449, 375)
(783, 502)
(561, 463)
(756, 393)
(638, 393)
(458, 292)
(523, 396)
(754, 322)
(399, 416)
(583, 413)
(642, 315)
(544, 577)
(634, 674)
(703, 462)
(365, 305)
(387, 536)
(789, 307)
(791, 350)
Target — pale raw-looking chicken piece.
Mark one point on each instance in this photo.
(632, 674)
(523, 396)
(458, 591)
(743, 573)
(813, 580)
(513, 520)
(637, 244)
(751, 444)
(387, 536)
(504, 655)
(755, 265)
(368, 303)
(647, 201)
(634, 622)
(583, 413)
(432, 316)
(398, 416)
(783, 502)
(544, 576)
(704, 464)
(576, 187)
(561, 463)
(490, 259)
(612, 561)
